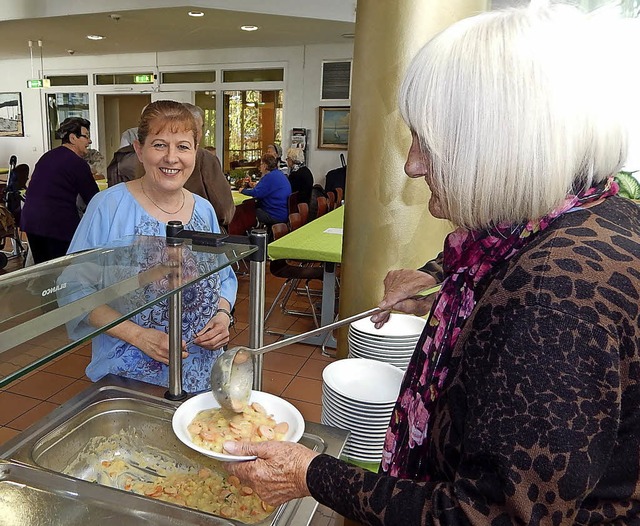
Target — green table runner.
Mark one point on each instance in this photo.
(311, 242)
(238, 197)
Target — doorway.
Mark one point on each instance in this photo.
(118, 113)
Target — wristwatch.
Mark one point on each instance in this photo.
(232, 320)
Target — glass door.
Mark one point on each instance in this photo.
(61, 106)
(252, 119)
(207, 101)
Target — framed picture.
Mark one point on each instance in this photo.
(11, 124)
(333, 131)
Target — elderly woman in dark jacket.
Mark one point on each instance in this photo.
(521, 404)
(50, 215)
(300, 176)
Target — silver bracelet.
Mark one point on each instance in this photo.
(232, 320)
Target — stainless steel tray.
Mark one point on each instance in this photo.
(35, 497)
(137, 411)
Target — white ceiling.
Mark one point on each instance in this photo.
(164, 27)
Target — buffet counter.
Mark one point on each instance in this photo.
(62, 469)
(47, 459)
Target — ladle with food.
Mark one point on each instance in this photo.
(232, 372)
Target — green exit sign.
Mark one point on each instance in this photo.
(143, 79)
(38, 83)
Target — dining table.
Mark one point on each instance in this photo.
(239, 198)
(318, 240)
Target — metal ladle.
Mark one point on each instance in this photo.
(232, 372)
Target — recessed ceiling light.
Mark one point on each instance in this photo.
(196, 13)
(249, 28)
(95, 37)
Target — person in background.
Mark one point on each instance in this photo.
(139, 347)
(96, 163)
(124, 166)
(129, 136)
(50, 214)
(208, 179)
(272, 192)
(300, 176)
(276, 151)
(521, 402)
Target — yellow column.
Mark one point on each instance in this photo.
(387, 223)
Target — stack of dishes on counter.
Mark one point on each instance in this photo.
(393, 343)
(359, 395)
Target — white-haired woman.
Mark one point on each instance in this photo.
(521, 404)
(300, 177)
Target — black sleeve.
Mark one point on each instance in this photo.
(434, 268)
(536, 407)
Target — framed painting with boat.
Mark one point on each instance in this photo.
(333, 128)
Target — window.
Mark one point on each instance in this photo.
(252, 119)
(69, 80)
(188, 77)
(253, 75)
(61, 106)
(124, 78)
(207, 101)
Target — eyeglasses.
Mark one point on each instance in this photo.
(88, 137)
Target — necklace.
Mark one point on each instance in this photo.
(158, 206)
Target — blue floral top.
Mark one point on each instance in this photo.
(114, 214)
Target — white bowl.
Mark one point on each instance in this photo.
(364, 380)
(382, 343)
(281, 410)
(399, 325)
(364, 406)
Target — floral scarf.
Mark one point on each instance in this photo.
(470, 260)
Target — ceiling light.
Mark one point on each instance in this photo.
(95, 37)
(196, 13)
(249, 28)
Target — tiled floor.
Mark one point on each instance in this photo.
(294, 372)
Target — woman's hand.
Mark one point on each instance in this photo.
(215, 333)
(152, 342)
(155, 344)
(400, 289)
(278, 475)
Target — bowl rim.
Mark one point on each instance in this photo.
(329, 369)
(185, 413)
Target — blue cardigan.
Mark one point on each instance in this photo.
(272, 191)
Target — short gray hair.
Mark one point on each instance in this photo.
(296, 155)
(514, 110)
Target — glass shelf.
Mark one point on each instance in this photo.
(44, 309)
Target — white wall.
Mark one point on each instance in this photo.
(303, 68)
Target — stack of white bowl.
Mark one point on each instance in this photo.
(359, 395)
(393, 343)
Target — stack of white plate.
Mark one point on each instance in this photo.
(393, 343)
(359, 395)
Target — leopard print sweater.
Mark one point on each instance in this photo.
(540, 423)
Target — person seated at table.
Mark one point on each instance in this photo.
(521, 402)
(50, 213)
(276, 151)
(300, 176)
(272, 192)
(139, 347)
